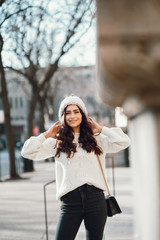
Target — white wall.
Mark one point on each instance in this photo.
(144, 155)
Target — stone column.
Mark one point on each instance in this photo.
(128, 36)
(145, 160)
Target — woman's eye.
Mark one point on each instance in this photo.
(70, 113)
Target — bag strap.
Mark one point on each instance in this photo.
(99, 161)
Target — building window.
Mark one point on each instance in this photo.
(16, 102)
(21, 102)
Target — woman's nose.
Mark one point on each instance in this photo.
(71, 115)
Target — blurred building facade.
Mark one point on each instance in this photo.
(18, 107)
(128, 75)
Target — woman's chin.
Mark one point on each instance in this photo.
(74, 125)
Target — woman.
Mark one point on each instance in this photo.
(75, 141)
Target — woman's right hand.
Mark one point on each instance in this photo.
(52, 131)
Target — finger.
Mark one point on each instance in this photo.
(56, 123)
(91, 119)
(88, 120)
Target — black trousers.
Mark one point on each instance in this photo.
(84, 203)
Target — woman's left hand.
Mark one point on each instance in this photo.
(96, 128)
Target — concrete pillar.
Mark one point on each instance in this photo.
(145, 160)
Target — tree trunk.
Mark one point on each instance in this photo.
(8, 126)
(28, 164)
(31, 117)
(42, 104)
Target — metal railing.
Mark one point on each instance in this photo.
(45, 207)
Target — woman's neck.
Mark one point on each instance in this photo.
(76, 130)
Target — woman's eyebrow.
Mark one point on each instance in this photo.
(76, 109)
(73, 110)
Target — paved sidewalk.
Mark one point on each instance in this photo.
(22, 206)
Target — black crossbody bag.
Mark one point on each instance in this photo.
(111, 202)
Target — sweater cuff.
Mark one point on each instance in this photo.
(110, 132)
(105, 130)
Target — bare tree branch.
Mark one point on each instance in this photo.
(78, 39)
(69, 35)
(1, 2)
(20, 72)
(15, 13)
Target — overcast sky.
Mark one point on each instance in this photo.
(84, 53)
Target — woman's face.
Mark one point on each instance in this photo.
(73, 117)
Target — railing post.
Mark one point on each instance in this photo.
(0, 168)
(45, 207)
(113, 177)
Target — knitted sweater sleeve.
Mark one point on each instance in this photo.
(39, 148)
(113, 140)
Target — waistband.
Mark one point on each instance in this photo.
(85, 187)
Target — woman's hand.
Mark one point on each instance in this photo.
(52, 131)
(96, 128)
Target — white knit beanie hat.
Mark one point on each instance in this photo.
(72, 99)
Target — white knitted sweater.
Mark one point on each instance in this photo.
(83, 167)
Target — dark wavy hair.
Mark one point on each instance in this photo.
(86, 139)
